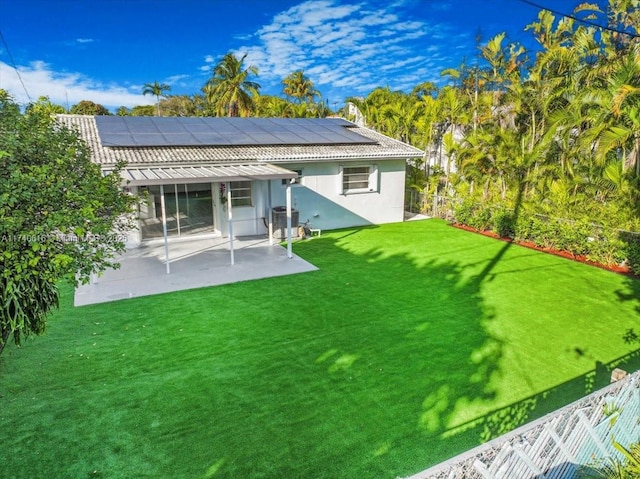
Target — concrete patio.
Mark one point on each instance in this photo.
(194, 263)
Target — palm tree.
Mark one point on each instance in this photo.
(298, 86)
(229, 91)
(156, 89)
(273, 106)
(617, 115)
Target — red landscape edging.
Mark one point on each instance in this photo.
(624, 270)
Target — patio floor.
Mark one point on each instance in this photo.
(194, 263)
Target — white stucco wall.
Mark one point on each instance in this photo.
(247, 220)
(320, 199)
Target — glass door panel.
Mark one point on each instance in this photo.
(189, 210)
(195, 204)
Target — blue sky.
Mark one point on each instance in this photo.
(106, 50)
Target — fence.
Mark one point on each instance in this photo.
(557, 445)
(434, 205)
(413, 201)
(442, 206)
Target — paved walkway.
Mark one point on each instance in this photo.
(194, 263)
(415, 216)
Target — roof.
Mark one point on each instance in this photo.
(132, 131)
(380, 147)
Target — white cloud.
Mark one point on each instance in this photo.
(85, 40)
(172, 80)
(343, 47)
(64, 88)
(401, 63)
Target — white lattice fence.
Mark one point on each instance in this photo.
(554, 446)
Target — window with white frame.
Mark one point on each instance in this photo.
(359, 179)
(241, 193)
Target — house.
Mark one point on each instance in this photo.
(240, 176)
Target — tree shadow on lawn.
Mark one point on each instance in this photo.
(446, 351)
(410, 330)
(506, 419)
(379, 364)
(631, 293)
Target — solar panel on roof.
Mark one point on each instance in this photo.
(118, 139)
(208, 138)
(171, 128)
(178, 131)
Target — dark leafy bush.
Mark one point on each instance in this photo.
(575, 237)
(481, 219)
(580, 237)
(503, 223)
(464, 212)
(607, 247)
(631, 246)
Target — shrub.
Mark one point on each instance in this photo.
(463, 213)
(481, 218)
(631, 247)
(574, 236)
(503, 223)
(607, 248)
(542, 231)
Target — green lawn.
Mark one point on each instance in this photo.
(412, 343)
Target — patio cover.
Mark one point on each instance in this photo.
(165, 175)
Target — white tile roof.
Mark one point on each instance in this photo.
(383, 148)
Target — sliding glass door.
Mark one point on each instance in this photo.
(189, 210)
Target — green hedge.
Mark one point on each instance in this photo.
(579, 237)
(631, 243)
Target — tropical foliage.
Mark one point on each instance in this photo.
(535, 146)
(233, 91)
(60, 215)
(156, 89)
(230, 90)
(627, 467)
(299, 87)
(87, 107)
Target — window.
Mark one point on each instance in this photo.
(296, 181)
(358, 179)
(241, 193)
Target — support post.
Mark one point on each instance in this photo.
(289, 247)
(164, 229)
(230, 218)
(269, 213)
(175, 189)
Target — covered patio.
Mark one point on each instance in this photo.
(194, 263)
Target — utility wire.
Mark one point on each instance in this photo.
(587, 22)
(13, 64)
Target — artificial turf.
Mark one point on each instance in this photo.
(411, 343)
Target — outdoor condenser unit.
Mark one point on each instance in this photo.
(280, 222)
